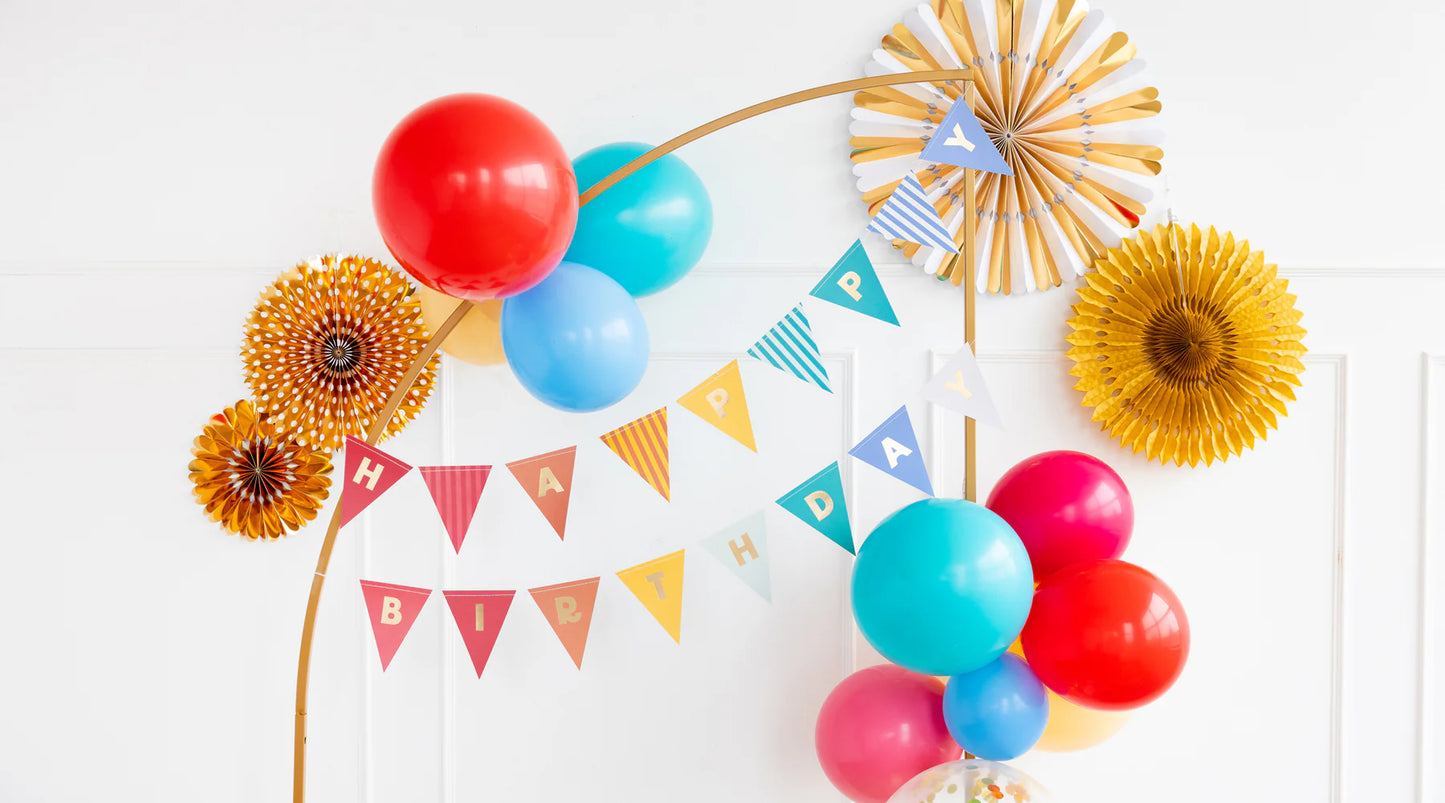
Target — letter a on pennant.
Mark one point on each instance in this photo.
(720, 401)
(820, 504)
(392, 610)
(853, 284)
(893, 448)
(456, 491)
(568, 609)
(369, 473)
(479, 616)
(642, 445)
(657, 584)
(547, 481)
(743, 549)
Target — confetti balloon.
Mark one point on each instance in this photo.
(971, 780)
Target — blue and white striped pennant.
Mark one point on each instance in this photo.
(789, 346)
(907, 215)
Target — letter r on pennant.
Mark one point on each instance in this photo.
(368, 473)
(567, 611)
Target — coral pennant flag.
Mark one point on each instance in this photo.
(743, 548)
(369, 473)
(642, 445)
(720, 401)
(456, 491)
(893, 449)
(819, 502)
(392, 610)
(568, 608)
(547, 479)
(853, 284)
(657, 584)
(479, 616)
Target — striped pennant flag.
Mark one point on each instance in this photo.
(789, 346)
(456, 491)
(907, 215)
(642, 445)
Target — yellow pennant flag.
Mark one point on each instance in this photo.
(720, 401)
(657, 584)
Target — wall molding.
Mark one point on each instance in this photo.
(1432, 370)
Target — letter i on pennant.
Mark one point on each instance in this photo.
(568, 609)
(392, 610)
(370, 472)
(819, 503)
(479, 616)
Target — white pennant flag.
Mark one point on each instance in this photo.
(960, 387)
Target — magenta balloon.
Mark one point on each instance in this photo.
(880, 727)
(1067, 507)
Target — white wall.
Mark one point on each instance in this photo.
(160, 161)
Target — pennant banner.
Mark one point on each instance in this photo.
(853, 284)
(479, 616)
(959, 386)
(820, 504)
(893, 448)
(547, 479)
(960, 141)
(908, 215)
(789, 346)
(642, 444)
(743, 548)
(369, 473)
(568, 609)
(720, 401)
(392, 610)
(657, 584)
(456, 491)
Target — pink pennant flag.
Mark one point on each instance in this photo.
(369, 473)
(479, 616)
(392, 610)
(456, 491)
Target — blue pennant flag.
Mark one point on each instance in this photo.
(789, 346)
(820, 504)
(960, 141)
(853, 284)
(908, 215)
(743, 548)
(893, 448)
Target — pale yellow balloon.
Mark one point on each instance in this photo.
(1072, 727)
(477, 339)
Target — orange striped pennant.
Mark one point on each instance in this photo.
(642, 445)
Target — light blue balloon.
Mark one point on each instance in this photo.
(942, 587)
(577, 341)
(649, 229)
(997, 712)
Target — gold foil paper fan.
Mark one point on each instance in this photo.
(1186, 344)
(254, 481)
(1063, 99)
(327, 343)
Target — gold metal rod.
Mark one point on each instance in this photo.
(970, 303)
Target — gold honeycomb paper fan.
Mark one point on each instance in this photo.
(1062, 98)
(1186, 344)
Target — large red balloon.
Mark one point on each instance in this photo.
(474, 196)
(1106, 634)
(1066, 507)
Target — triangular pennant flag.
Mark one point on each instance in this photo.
(909, 215)
(456, 490)
(789, 346)
(893, 447)
(369, 473)
(392, 610)
(819, 502)
(657, 584)
(853, 284)
(479, 616)
(568, 608)
(960, 141)
(720, 401)
(743, 548)
(959, 386)
(642, 445)
(547, 479)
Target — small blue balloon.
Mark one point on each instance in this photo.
(942, 587)
(648, 230)
(996, 712)
(577, 341)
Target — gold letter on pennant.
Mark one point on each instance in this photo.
(547, 481)
(745, 548)
(390, 611)
(367, 474)
(567, 611)
(850, 282)
(820, 503)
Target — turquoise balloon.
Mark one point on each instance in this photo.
(996, 712)
(942, 587)
(648, 230)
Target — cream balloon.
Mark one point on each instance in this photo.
(477, 339)
(1072, 727)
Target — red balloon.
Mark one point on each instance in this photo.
(474, 196)
(1106, 634)
(880, 727)
(1066, 507)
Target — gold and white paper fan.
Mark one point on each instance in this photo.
(1063, 99)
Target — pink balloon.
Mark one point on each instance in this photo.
(880, 727)
(1067, 507)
